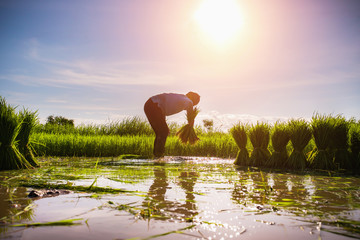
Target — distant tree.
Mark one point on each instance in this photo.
(50, 120)
(208, 124)
(59, 120)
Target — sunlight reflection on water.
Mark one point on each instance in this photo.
(202, 197)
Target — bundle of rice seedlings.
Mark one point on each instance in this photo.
(300, 135)
(239, 133)
(340, 143)
(279, 139)
(323, 131)
(355, 147)
(187, 133)
(10, 156)
(260, 137)
(27, 124)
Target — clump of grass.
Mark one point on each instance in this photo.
(187, 133)
(10, 156)
(260, 137)
(239, 133)
(340, 143)
(300, 135)
(279, 139)
(27, 123)
(323, 131)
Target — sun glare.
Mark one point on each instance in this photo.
(220, 20)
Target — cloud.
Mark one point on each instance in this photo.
(54, 100)
(99, 77)
(224, 122)
(252, 76)
(86, 72)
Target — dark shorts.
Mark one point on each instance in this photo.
(158, 122)
(156, 118)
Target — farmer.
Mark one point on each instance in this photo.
(159, 106)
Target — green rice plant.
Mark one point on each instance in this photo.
(130, 126)
(127, 126)
(91, 146)
(300, 135)
(67, 222)
(259, 137)
(239, 133)
(340, 143)
(10, 156)
(355, 147)
(27, 123)
(323, 131)
(216, 145)
(279, 139)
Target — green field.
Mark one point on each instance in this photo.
(219, 145)
(326, 142)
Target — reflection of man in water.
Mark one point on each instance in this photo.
(156, 200)
(158, 189)
(187, 182)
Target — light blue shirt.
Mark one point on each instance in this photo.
(171, 103)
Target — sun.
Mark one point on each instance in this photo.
(220, 20)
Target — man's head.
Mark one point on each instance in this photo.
(194, 97)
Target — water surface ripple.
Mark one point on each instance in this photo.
(177, 198)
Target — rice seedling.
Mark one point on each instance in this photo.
(42, 184)
(300, 135)
(91, 146)
(279, 139)
(239, 133)
(187, 133)
(28, 121)
(67, 222)
(340, 143)
(323, 131)
(10, 156)
(178, 231)
(216, 145)
(259, 137)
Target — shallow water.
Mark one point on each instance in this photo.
(178, 198)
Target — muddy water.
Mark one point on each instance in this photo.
(177, 198)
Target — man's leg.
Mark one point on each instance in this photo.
(160, 141)
(158, 123)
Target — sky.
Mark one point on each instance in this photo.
(99, 61)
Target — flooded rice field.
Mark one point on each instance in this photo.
(175, 198)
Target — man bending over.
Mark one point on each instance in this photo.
(159, 106)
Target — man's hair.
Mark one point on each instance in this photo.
(194, 97)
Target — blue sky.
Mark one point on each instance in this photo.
(95, 61)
